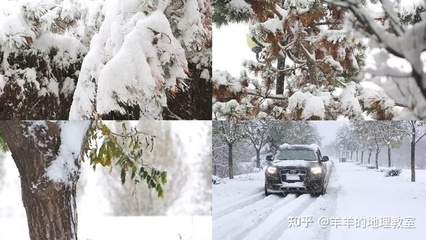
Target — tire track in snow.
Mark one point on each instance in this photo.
(240, 204)
(324, 206)
(237, 224)
(276, 223)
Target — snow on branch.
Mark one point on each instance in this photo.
(142, 59)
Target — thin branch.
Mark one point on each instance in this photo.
(420, 138)
(393, 18)
(277, 97)
(291, 69)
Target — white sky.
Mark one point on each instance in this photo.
(230, 48)
(328, 129)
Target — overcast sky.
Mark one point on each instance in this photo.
(230, 48)
(328, 129)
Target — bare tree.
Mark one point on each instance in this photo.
(417, 132)
(257, 132)
(230, 132)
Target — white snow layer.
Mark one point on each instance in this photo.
(72, 137)
(312, 106)
(142, 58)
(242, 211)
(2, 84)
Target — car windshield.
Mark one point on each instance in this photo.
(296, 154)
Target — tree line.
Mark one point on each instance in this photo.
(258, 135)
(370, 137)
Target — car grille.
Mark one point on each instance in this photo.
(294, 171)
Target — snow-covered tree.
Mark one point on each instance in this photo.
(416, 131)
(379, 134)
(110, 59)
(41, 56)
(348, 139)
(319, 65)
(144, 51)
(230, 132)
(359, 135)
(292, 132)
(398, 29)
(257, 132)
(392, 133)
(370, 132)
(48, 156)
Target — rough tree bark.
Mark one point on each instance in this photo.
(50, 207)
(362, 157)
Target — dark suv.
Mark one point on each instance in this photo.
(296, 169)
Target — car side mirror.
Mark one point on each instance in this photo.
(324, 159)
(269, 158)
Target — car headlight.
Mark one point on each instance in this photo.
(272, 170)
(316, 170)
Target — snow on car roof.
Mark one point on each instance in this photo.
(313, 147)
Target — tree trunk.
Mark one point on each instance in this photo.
(352, 153)
(50, 207)
(230, 162)
(362, 157)
(258, 158)
(389, 156)
(280, 76)
(413, 154)
(377, 157)
(369, 155)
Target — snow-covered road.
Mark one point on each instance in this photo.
(359, 204)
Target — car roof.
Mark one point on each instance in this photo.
(313, 147)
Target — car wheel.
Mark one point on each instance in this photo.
(314, 194)
(323, 190)
(266, 192)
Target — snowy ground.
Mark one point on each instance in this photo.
(359, 204)
(94, 208)
(129, 228)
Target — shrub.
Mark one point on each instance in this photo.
(393, 172)
(370, 166)
(215, 179)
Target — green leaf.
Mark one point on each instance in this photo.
(164, 178)
(160, 193)
(144, 175)
(123, 176)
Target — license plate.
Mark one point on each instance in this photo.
(292, 177)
